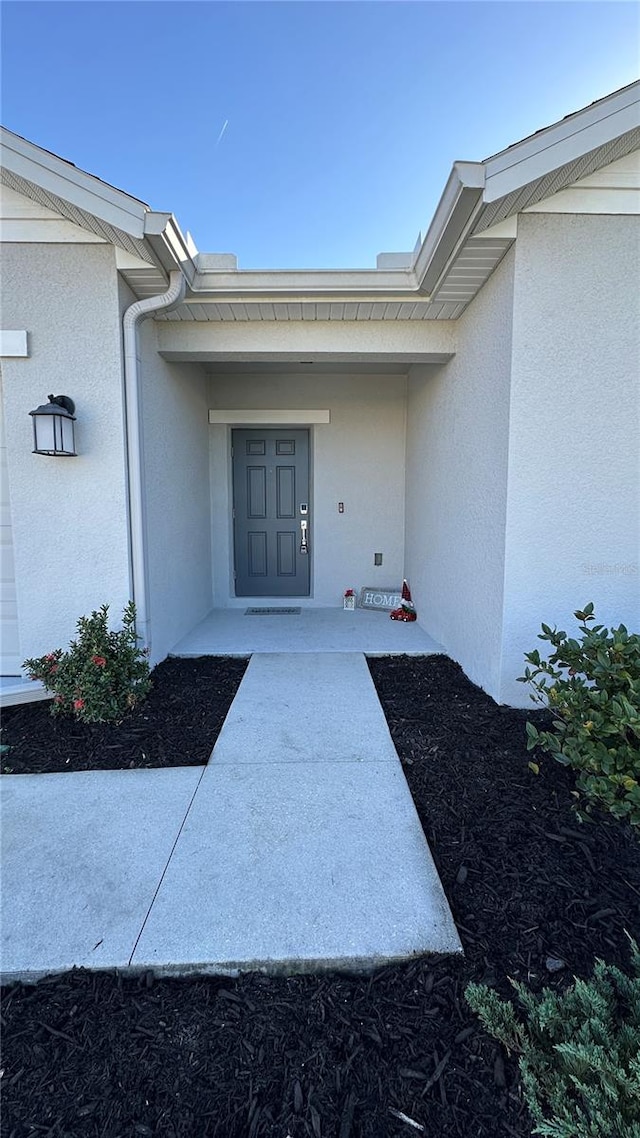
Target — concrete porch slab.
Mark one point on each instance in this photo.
(82, 857)
(301, 867)
(313, 707)
(228, 632)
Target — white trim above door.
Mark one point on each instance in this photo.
(263, 418)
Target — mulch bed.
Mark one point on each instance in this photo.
(176, 726)
(99, 1056)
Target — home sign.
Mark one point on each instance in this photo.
(374, 597)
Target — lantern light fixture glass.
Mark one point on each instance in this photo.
(53, 431)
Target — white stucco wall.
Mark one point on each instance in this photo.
(457, 440)
(357, 458)
(574, 482)
(299, 339)
(69, 521)
(177, 494)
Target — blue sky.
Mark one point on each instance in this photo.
(342, 119)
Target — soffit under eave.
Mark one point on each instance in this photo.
(136, 246)
(267, 310)
(560, 179)
(143, 280)
(472, 266)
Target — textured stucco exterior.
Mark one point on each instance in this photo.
(457, 445)
(69, 514)
(357, 458)
(173, 402)
(483, 404)
(573, 506)
(286, 340)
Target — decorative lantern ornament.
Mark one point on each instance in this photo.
(53, 427)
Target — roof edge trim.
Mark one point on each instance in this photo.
(454, 212)
(169, 244)
(27, 160)
(320, 282)
(553, 147)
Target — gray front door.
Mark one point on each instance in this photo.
(271, 512)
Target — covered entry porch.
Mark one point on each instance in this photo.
(345, 393)
(344, 387)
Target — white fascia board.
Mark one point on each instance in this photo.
(26, 160)
(266, 284)
(169, 244)
(564, 142)
(461, 197)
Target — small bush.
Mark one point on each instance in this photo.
(102, 676)
(579, 1051)
(592, 686)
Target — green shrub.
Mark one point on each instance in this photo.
(102, 676)
(579, 1051)
(592, 686)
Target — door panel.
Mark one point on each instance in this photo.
(257, 492)
(285, 492)
(270, 484)
(257, 554)
(286, 547)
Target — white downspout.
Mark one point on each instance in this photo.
(135, 467)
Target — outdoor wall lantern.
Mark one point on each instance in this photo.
(53, 427)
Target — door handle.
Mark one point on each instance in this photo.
(304, 544)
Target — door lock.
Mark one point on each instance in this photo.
(304, 544)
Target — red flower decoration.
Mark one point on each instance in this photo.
(349, 593)
(99, 661)
(78, 704)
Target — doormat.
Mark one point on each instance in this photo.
(272, 612)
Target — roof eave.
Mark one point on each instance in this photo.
(320, 284)
(580, 133)
(168, 243)
(454, 213)
(26, 160)
(473, 185)
(470, 189)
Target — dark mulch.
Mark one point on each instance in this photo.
(333, 1056)
(176, 725)
(524, 878)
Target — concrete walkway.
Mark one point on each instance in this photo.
(296, 848)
